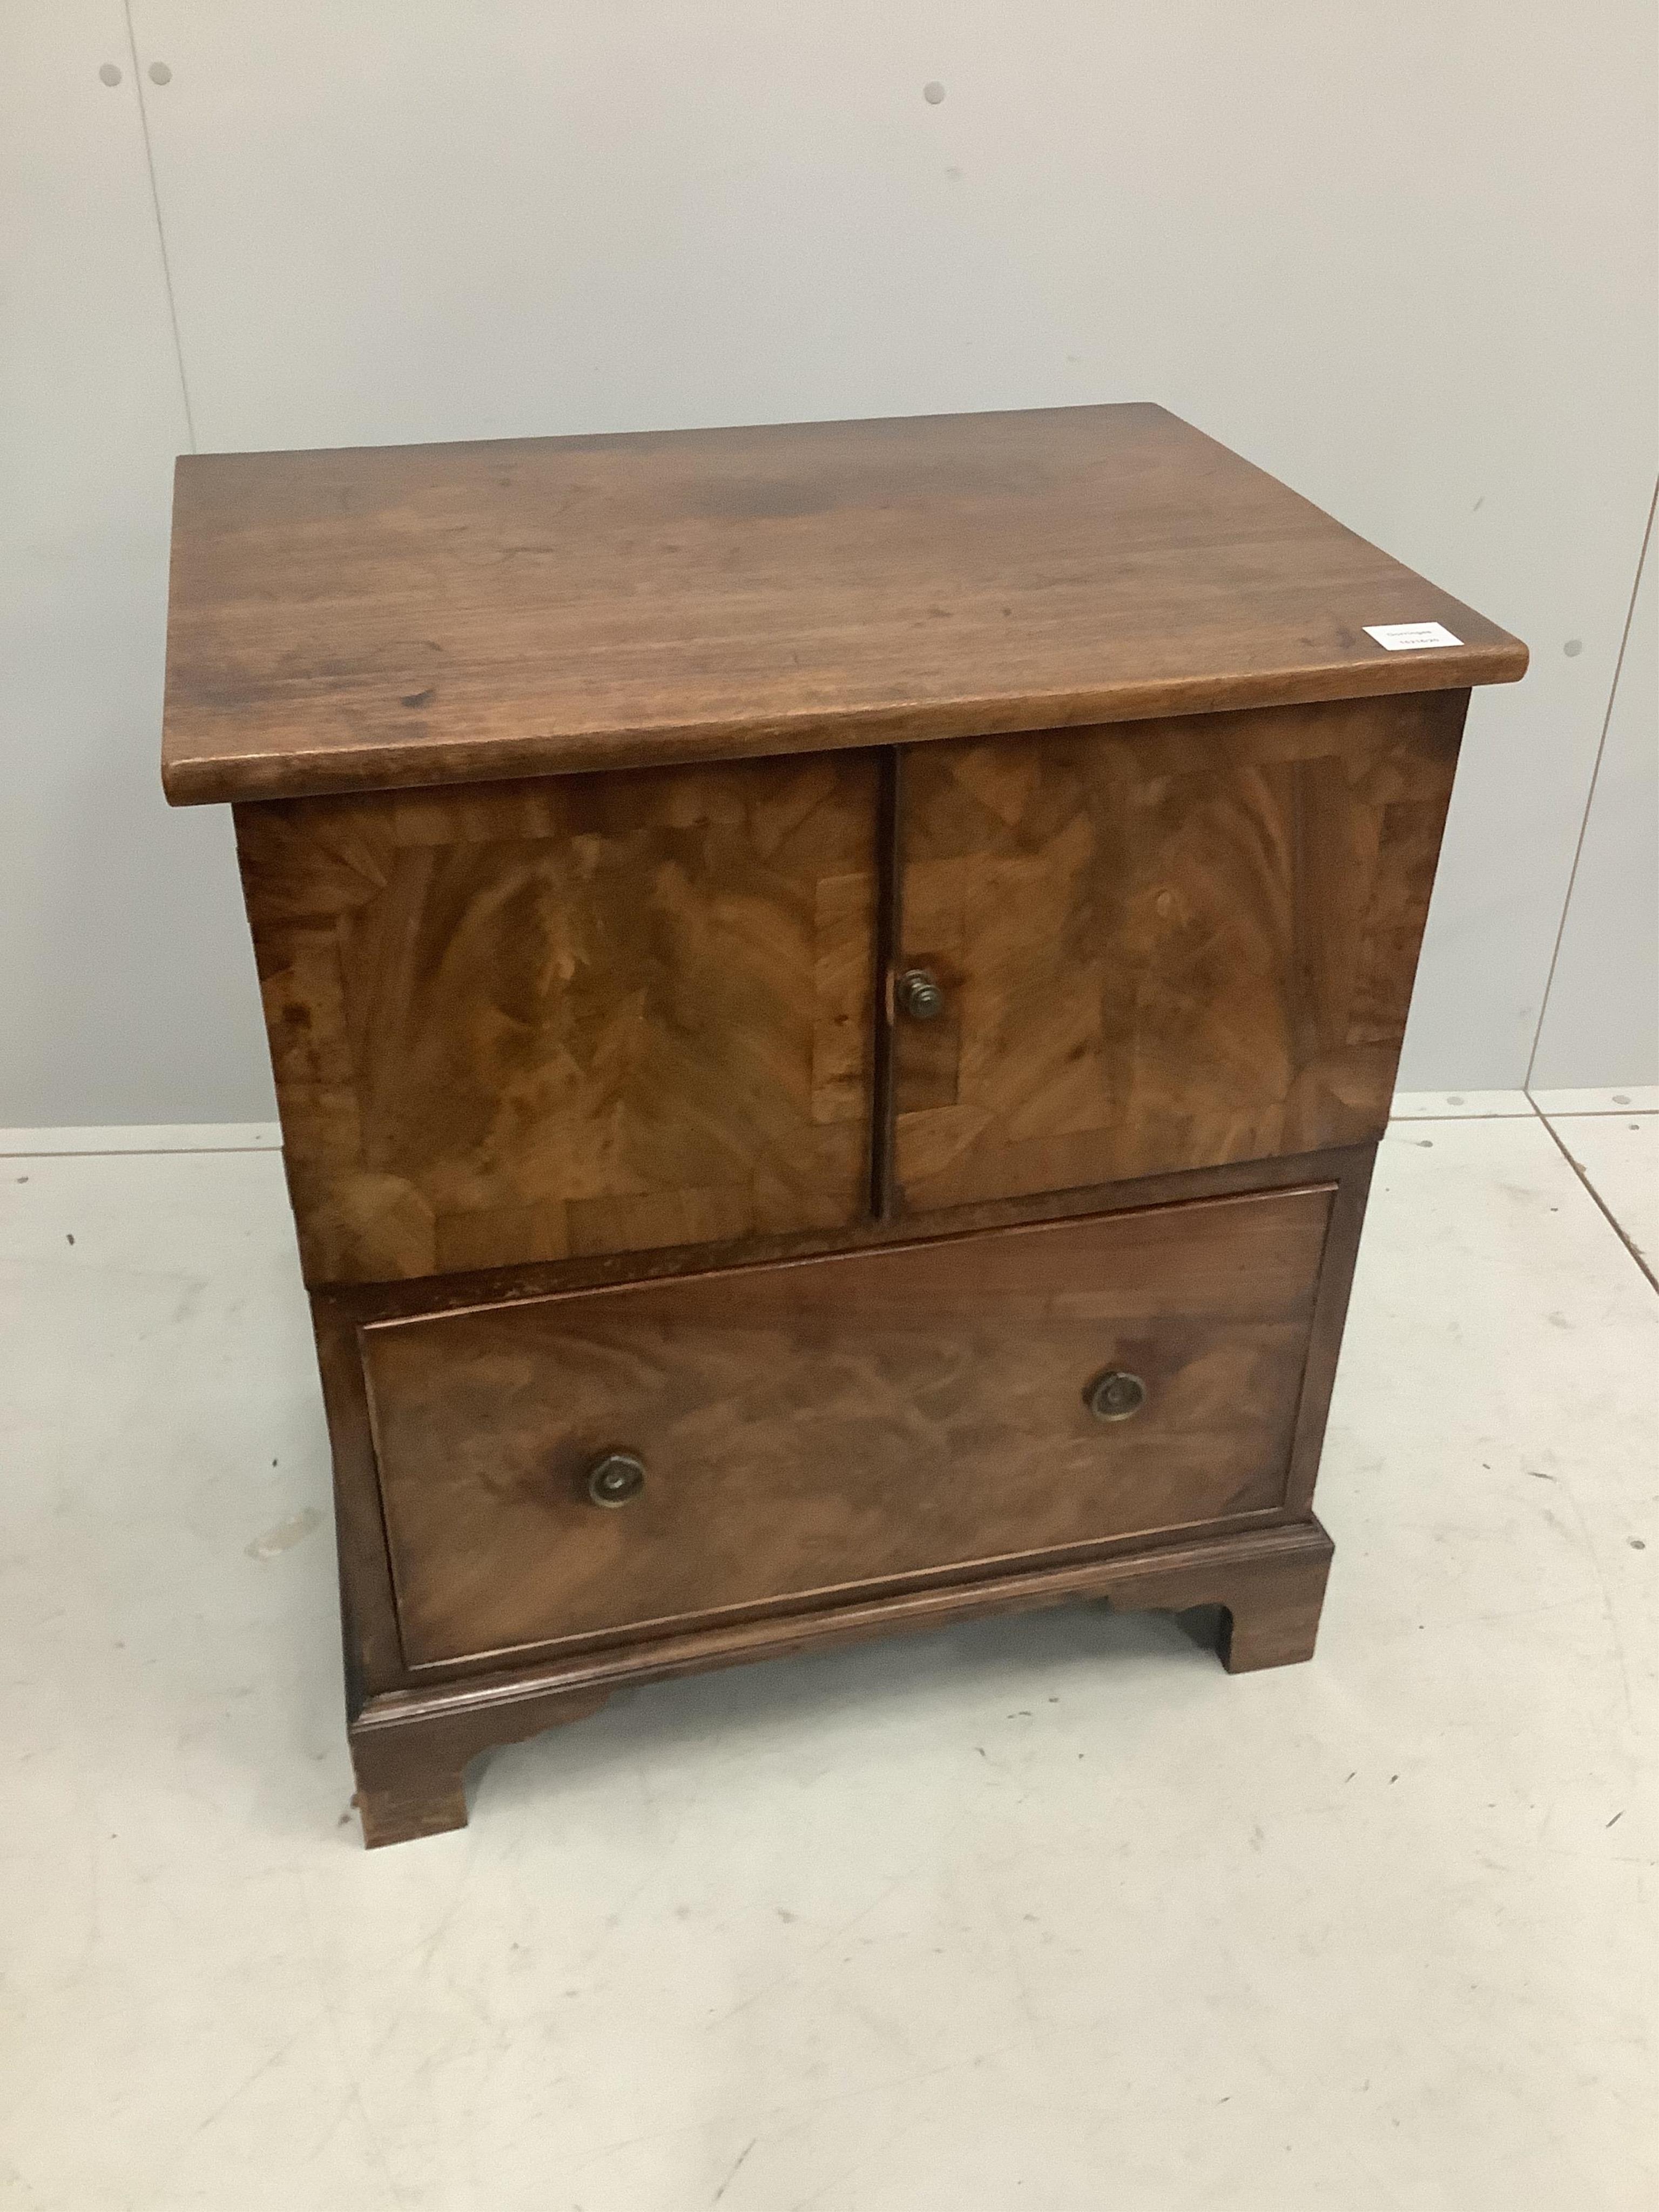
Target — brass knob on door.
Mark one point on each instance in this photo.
(920, 995)
(615, 1479)
(1116, 1394)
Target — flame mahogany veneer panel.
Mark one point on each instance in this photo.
(587, 1014)
(594, 1014)
(1165, 945)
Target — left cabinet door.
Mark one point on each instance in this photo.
(597, 1013)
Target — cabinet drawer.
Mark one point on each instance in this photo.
(829, 1424)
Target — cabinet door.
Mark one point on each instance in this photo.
(1161, 945)
(587, 1014)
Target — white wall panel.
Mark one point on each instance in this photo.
(1600, 1026)
(125, 987)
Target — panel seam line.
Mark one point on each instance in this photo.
(1590, 796)
(160, 231)
(1605, 1210)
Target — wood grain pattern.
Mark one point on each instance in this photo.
(835, 1423)
(590, 1014)
(362, 1304)
(411, 615)
(1164, 946)
(411, 1747)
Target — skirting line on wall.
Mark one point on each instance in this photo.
(141, 1137)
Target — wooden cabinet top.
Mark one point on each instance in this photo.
(382, 616)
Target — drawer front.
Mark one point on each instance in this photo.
(520, 1022)
(835, 1424)
(1162, 945)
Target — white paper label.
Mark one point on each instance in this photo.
(1410, 637)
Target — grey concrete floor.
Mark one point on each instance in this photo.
(1045, 1914)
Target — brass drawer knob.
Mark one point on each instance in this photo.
(615, 1479)
(920, 995)
(1116, 1394)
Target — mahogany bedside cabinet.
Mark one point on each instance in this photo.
(833, 990)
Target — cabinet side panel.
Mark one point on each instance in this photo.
(513, 1023)
(1164, 946)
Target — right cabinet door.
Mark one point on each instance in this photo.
(1161, 945)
